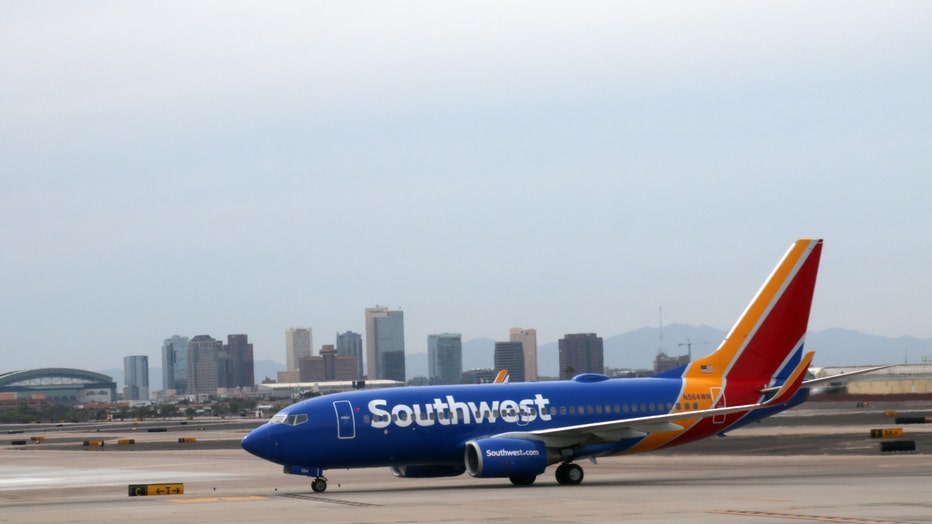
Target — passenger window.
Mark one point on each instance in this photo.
(572, 410)
(598, 409)
(643, 407)
(365, 419)
(651, 407)
(634, 408)
(563, 410)
(553, 411)
(624, 408)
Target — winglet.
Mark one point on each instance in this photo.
(502, 377)
(793, 382)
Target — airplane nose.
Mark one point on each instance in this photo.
(257, 442)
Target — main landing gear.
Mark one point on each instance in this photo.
(569, 474)
(523, 480)
(319, 485)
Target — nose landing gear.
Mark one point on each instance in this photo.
(319, 485)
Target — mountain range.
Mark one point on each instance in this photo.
(637, 349)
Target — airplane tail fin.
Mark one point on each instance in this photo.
(766, 343)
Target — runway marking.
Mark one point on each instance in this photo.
(801, 517)
(220, 499)
(332, 501)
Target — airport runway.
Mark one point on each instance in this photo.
(798, 476)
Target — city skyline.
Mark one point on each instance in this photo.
(477, 166)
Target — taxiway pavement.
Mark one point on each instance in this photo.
(766, 473)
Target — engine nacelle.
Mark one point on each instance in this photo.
(505, 457)
(427, 471)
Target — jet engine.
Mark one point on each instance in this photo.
(506, 457)
(427, 471)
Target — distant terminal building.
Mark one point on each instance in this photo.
(510, 356)
(445, 358)
(297, 390)
(58, 386)
(136, 377)
(906, 379)
(580, 353)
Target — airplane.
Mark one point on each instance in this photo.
(517, 430)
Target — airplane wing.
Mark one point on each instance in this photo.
(614, 430)
(841, 377)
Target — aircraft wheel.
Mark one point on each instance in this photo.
(523, 480)
(569, 474)
(319, 485)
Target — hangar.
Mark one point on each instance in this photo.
(903, 379)
(57, 385)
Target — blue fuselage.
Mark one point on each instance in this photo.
(431, 425)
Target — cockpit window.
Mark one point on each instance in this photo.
(291, 420)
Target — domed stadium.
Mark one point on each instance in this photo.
(57, 385)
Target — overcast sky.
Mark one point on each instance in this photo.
(244, 167)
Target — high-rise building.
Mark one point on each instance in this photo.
(510, 356)
(298, 344)
(329, 366)
(136, 377)
(385, 344)
(445, 358)
(350, 343)
(203, 371)
(528, 340)
(239, 352)
(372, 361)
(175, 364)
(580, 353)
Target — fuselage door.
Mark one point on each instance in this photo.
(346, 423)
(718, 396)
